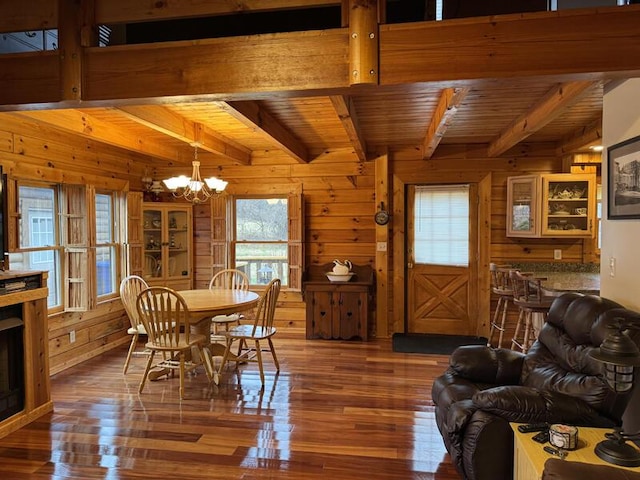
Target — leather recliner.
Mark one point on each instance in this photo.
(556, 381)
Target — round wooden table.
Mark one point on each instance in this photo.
(204, 304)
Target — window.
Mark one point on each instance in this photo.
(71, 232)
(38, 238)
(105, 245)
(261, 239)
(442, 225)
(261, 235)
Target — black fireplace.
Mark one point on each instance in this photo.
(11, 361)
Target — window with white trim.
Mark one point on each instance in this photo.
(442, 225)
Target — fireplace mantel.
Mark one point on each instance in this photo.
(29, 289)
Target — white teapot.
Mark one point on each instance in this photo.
(341, 268)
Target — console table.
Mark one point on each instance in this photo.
(338, 310)
(23, 296)
(529, 457)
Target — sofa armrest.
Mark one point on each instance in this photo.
(525, 405)
(497, 366)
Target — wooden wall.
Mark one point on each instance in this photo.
(340, 204)
(33, 153)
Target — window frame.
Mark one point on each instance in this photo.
(234, 242)
(75, 235)
(222, 223)
(57, 249)
(113, 245)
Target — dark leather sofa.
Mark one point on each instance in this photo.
(556, 382)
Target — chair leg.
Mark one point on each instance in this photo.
(514, 341)
(259, 359)
(181, 375)
(146, 371)
(503, 322)
(132, 347)
(527, 332)
(273, 354)
(494, 322)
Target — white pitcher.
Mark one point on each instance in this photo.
(341, 268)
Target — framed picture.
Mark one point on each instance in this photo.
(624, 179)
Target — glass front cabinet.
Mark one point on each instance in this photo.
(551, 205)
(523, 206)
(569, 205)
(167, 239)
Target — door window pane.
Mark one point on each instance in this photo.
(442, 225)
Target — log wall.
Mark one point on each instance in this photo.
(339, 207)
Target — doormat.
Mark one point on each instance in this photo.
(432, 343)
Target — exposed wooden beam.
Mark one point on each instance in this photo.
(448, 104)
(163, 120)
(121, 11)
(345, 109)
(87, 126)
(550, 106)
(363, 42)
(298, 61)
(27, 16)
(69, 49)
(261, 121)
(569, 42)
(588, 135)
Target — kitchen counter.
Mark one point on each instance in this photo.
(561, 282)
(565, 277)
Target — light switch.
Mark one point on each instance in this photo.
(612, 266)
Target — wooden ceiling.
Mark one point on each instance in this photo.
(496, 113)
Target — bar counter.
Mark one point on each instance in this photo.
(565, 277)
(557, 283)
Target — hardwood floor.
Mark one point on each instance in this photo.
(337, 410)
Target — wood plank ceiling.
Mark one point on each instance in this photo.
(498, 114)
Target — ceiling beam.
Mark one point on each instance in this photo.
(448, 104)
(346, 111)
(570, 45)
(252, 115)
(86, 126)
(549, 107)
(583, 137)
(165, 121)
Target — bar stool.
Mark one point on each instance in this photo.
(534, 305)
(500, 286)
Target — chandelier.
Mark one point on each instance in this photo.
(194, 189)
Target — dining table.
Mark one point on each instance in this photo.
(203, 304)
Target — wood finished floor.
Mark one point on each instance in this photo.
(337, 410)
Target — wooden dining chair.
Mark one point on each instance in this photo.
(230, 279)
(165, 316)
(130, 288)
(249, 336)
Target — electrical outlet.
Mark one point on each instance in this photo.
(381, 246)
(557, 254)
(72, 336)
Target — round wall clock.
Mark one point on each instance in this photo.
(382, 217)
